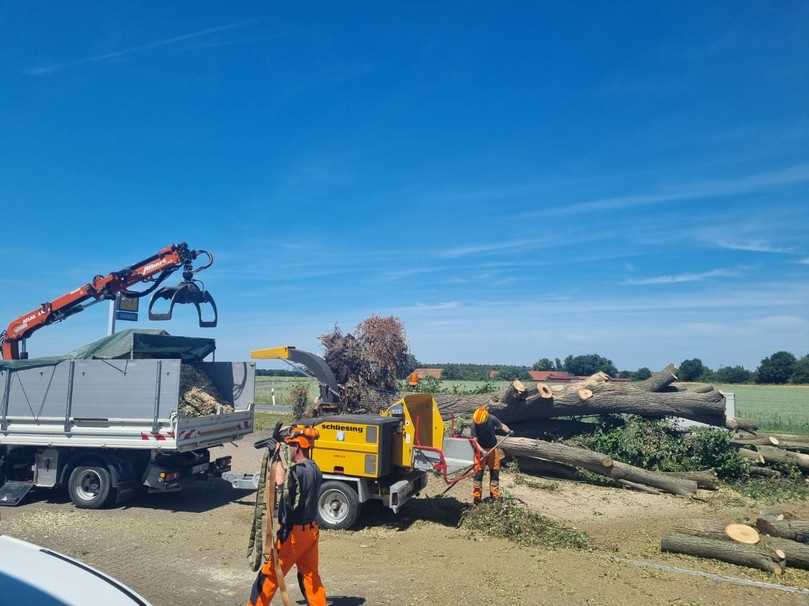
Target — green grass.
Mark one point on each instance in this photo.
(265, 421)
(782, 408)
(283, 386)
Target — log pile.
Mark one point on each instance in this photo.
(199, 397)
(598, 395)
(774, 544)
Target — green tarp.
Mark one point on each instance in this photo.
(126, 344)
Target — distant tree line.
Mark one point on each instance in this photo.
(779, 368)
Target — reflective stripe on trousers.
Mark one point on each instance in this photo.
(300, 549)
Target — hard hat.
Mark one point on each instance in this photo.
(301, 436)
(481, 415)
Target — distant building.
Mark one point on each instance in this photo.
(435, 373)
(551, 375)
(492, 374)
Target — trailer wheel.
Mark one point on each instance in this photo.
(338, 505)
(90, 487)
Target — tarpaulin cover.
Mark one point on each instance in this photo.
(131, 343)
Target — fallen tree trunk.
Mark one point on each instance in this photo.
(596, 463)
(772, 454)
(796, 554)
(752, 556)
(596, 395)
(764, 472)
(752, 455)
(541, 467)
(794, 530)
(706, 480)
(558, 453)
(714, 530)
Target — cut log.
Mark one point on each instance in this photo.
(794, 530)
(706, 480)
(597, 463)
(608, 397)
(796, 554)
(752, 556)
(752, 455)
(740, 533)
(702, 388)
(736, 423)
(541, 467)
(545, 392)
(638, 487)
(757, 441)
(772, 454)
(659, 380)
(559, 453)
(764, 472)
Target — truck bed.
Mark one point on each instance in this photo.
(120, 404)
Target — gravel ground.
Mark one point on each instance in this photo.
(188, 549)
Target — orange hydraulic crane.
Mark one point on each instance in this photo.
(154, 269)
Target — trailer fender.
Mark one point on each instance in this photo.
(114, 464)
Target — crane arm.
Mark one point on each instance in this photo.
(155, 269)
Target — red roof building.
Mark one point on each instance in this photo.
(551, 375)
(435, 373)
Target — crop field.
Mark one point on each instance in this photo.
(783, 408)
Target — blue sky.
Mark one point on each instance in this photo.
(513, 181)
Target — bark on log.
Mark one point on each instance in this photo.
(717, 531)
(541, 467)
(764, 472)
(752, 556)
(638, 487)
(736, 423)
(757, 441)
(772, 454)
(608, 397)
(597, 463)
(702, 388)
(659, 380)
(559, 453)
(752, 455)
(794, 530)
(706, 480)
(797, 554)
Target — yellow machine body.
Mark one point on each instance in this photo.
(370, 446)
(361, 446)
(422, 427)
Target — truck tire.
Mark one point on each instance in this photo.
(90, 487)
(338, 505)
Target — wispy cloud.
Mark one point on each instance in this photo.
(755, 246)
(684, 277)
(45, 70)
(698, 190)
(505, 246)
(803, 261)
(431, 307)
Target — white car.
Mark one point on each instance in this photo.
(30, 574)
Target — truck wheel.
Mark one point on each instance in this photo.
(338, 505)
(90, 487)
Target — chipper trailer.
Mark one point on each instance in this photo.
(106, 419)
(368, 457)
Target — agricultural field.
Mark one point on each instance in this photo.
(781, 408)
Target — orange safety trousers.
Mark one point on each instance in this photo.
(300, 549)
(492, 461)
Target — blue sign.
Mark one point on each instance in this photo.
(129, 316)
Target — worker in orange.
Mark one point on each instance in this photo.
(484, 429)
(298, 532)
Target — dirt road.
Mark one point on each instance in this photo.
(188, 549)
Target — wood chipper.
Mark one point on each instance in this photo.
(384, 457)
